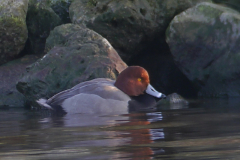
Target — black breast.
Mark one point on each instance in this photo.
(143, 102)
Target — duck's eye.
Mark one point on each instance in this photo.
(139, 79)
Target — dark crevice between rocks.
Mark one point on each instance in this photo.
(122, 53)
(164, 74)
(27, 50)
(114, 23)
(143, 11)
(62, 10)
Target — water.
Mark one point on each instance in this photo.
(206, 129)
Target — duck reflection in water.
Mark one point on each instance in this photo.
(129, 134)
(141, 135)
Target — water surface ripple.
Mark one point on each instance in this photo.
(206, 129)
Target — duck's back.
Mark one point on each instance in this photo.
(95, 96)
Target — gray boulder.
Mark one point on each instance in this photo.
(75, 54)
(13, 29)
(172, 101)
(204, 41)
(230, 3)
(170, 8)
(126, 24)
(130, 26)
(61, 8)
(41, 19)
(10, 73)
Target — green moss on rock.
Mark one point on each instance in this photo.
(13, 29)
(75, 54)
(204, 43)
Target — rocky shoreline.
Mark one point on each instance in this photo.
(190, 47)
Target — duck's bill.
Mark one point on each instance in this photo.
(151, 91)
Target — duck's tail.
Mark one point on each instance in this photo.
(43, 102)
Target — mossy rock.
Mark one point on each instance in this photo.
(235, 4)
(126, 24)
(75, 54)
(10, 73)
(13, 29)
(204, 41)
(41, 19)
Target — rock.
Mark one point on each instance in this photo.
(130, 26)
(61, 8)
(127, 25)
(173, 101)
(204, 41)
(13, 29)
(41, 19)
(75, 54)
(230, 3)
(170, 8)
(10, 73)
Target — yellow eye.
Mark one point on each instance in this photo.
(139, 79)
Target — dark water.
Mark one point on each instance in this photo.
(206, 129)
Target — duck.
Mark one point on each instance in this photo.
(132, 89)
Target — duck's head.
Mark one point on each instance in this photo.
(134, 81)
